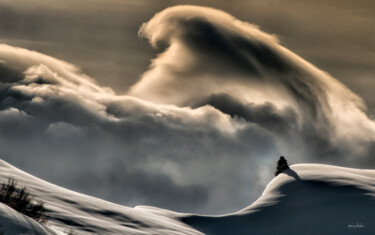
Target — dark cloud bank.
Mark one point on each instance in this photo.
(200, 132)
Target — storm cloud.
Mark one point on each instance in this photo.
(209, 51)
(199, 132)
(55, 119)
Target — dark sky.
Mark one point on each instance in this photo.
(191, 112)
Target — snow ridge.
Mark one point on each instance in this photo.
(305, 199)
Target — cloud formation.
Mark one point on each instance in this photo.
(199, 132)
(210, 52)
(55, 119)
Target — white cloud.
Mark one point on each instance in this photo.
(210, 52)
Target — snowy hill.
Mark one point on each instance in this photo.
(307, 199)
(82, 213)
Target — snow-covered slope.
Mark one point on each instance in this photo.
(307, 199)
(82, 213)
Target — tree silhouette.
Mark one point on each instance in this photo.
(282, 165)
(20, 200)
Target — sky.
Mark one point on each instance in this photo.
(185, 108)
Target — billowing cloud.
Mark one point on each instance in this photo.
(199, 132)
(209, 52)
(54, 119)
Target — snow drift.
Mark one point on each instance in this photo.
(83, 214)
(306, 199)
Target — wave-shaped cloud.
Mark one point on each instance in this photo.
(208, 52)
(199, 132)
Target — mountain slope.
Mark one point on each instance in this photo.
(306, 199)
(82, 213)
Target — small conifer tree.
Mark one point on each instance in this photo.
(282, 165)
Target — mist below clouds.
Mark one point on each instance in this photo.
(201, 130)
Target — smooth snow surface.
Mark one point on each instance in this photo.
(307, 199)
(82, 213)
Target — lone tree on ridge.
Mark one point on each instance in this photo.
(282, 165)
